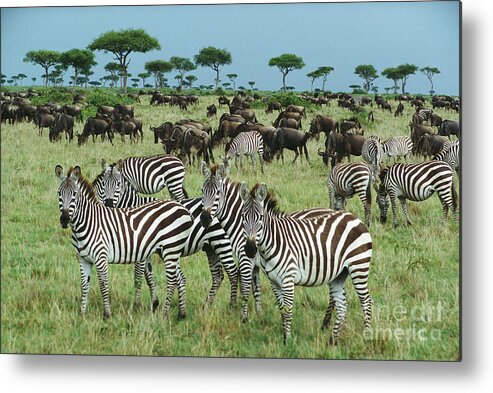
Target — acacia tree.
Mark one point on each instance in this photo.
(405, 70)
(190, 79)
(213, 58)
(182, 65)
(313, 76)
(324, 72)
(45, 58)
(368, 73)
(21, 77)
(78, 59)
(286, 63)
(144, 76)
(122, 43)
(232, 78)
(393, 74)
(158, 68)
(430, 73)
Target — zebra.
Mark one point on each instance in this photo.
(416, 182)
(422, 115)
(450, 154)
(372, 153)
(307, 252)
(221, 200)
(397, 146)
(149, 175)
(346, 180)
(248, 144)
(114, 190)
(103, 235)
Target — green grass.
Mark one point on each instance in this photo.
(413, 268)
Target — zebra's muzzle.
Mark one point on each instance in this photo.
(64, 219)
(250, 248)
(206, 218)
(108, 202)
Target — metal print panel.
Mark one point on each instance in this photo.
(242, 180)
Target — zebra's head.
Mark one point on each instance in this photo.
(67, 194)
(253, 216)
(110, 184)
(212, 195)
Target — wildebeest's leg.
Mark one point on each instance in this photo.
(85, 274)
(296, 154)
(149, 276)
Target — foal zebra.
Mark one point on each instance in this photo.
(307, 252)
(397, 146)
(102, 235)
(114, 190)
(248, 144)
(416, 182)
(372, 153)
(149, 175)
(451, 155)
(346, 180)
(221, 200)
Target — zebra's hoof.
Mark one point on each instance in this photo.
(182, 315)
(106, 314)
(155, 305)
(332, 341)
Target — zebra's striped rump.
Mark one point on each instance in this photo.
(248, 144)
(103, 235)
(416, 182)
(324, 249)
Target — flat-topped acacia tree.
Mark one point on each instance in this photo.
(213, 58)
(78, 59)
(122, 43)
(286, 63)
(45, 58)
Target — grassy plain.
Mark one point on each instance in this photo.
(414, 278)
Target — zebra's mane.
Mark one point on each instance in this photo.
(85, 186)
(271, 203)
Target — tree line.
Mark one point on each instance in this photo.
(122, 44)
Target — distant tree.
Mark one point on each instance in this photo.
(135, 80)
(374, 89)
(158, 68)
(33, 79)
(3, 78)
(232, 78)
(122, 43)
(213, 58)
(190, 79)
(251, 83)
(368, 73)
(324, 72)
(10, 81)
(21, 77)
(86, 72)
(405, 70)
(95, 83)
(289, 88)
(78, 59)
(226, 85)
(430, 72)
(182, 65)
(147, 86)
(44, 58)
(313, 76)
(394, 74)
(144, 76)
(387, 89)
(286, 63)
(15, 78)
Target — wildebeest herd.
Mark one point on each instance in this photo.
(243, 230)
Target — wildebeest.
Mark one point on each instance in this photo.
(296, 108)
(323, 124)
(247, 114)
(211, 110)
(125, 127)
(288, 123)
(225, 130)
(125, 110)
(95, 127)
(106, 110)
(197, 124)
(190, 143)
(273, 106)
(400, 109)
(162, 132)
(417, 131)
(44, 120)
(63, 122)
(338, 146)
(429, 145)
(223, 101)
(351, 125)
(435, 120)
(449, 127)
(288, 138)
(74, 111)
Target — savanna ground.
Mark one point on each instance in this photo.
(414, 279)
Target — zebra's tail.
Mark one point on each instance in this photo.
(454, 197)
(185, 192)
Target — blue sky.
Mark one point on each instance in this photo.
(341, 35)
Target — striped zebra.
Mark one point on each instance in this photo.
(221, 200)
(422, 115)
(103, 235)
(397, 146)
(149, 175)
(416, 182)
(248, 144)
(450, 154)
(307, 252)
(372, 153)
(346, 180)
(115, 191)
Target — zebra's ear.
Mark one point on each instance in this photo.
(59, 171)
(221, 172)
(76, 173)
(119, 165)
(244, 191)
(104, 164)
(261, 192)
(204, 168)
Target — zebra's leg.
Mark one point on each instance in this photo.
(102, 270)
(216, 272)
(330, 309)
(246, 271)
(140, 266)
(261, 159)
(338, 295)
(149, 276)
(393, 202)
(85, 275)
(256, 289)
(402, 199)
(254, 161)
(224, 254)
(171, 280)
(286, 306)
(359, 277)
(181, 282)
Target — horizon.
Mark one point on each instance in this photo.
(352, 34)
